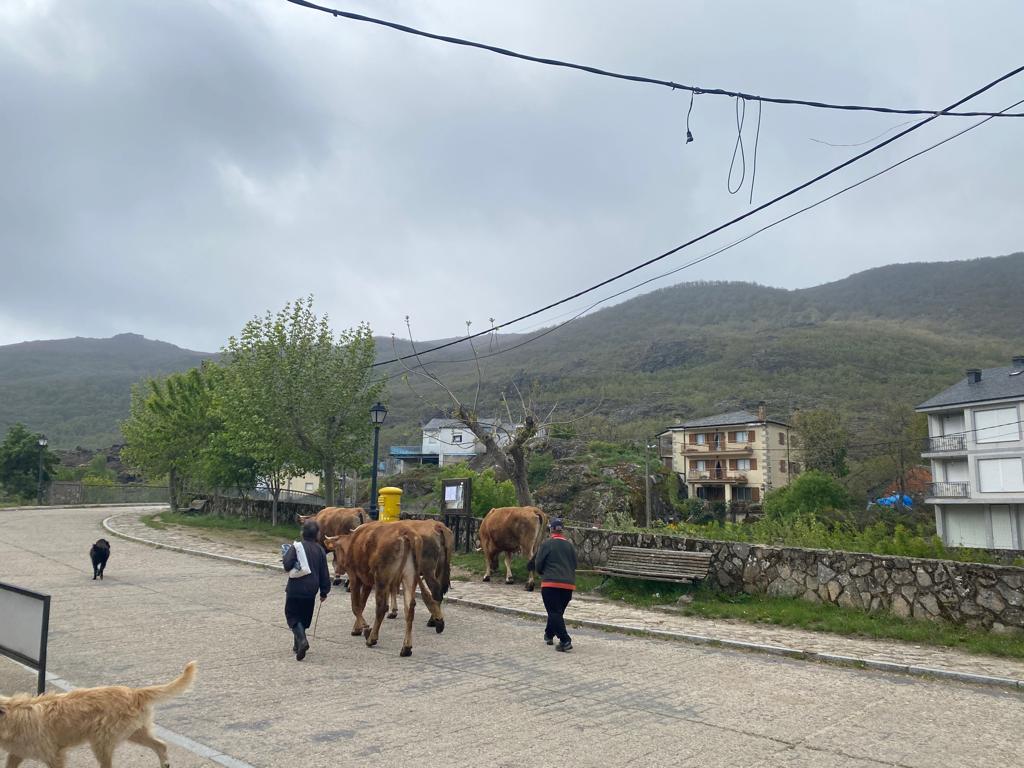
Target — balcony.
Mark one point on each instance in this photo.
(718, 446)
(715, 476)
(949, 490)
(945, 443)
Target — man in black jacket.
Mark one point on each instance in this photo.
(555, 562)
(300, 594)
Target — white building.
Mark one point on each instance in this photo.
(976, 447)
(452, 441)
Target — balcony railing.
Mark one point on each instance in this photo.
(716, 476)
(949, 490)
(944, 443)
(718, 446)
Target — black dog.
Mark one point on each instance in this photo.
(99, 554)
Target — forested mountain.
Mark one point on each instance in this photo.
(900, 332)
(76, 391)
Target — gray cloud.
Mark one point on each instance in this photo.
(173, 169)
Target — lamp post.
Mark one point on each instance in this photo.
(378, 413)
(647, 483)
(42, 447)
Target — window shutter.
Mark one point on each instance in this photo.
(782, 465)
(732, 437)
(782, 438)
(732, 463)
(693, 438)
(755, 494)
(753, 463)
(750, 436)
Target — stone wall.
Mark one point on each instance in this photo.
(253, 509)
(973, 594)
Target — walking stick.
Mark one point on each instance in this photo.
(317, 619)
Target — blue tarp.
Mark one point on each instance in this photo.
(891, 501)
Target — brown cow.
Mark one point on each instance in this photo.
(383, 557)
(336, 521)
(511, 530)
(434, 576)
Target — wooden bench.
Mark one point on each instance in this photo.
(656, 565)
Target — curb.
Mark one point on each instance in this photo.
(44, 507)
(739, 645)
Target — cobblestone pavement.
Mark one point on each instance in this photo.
(485, 693)
(498, 594)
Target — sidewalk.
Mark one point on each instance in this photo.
(887, 655)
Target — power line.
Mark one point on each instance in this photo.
(735, 220)
(694, 89)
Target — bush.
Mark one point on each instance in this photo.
(812, 493)
(541, 465)
(488, 491)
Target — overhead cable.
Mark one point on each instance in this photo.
(699, 90)
(737, 219)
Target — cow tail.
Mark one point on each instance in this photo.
(444, 581)
(415, 545)
(541, 525)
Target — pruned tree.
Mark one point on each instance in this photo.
(507, 447)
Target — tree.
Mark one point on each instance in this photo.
(170, 424)
(298, 397)
(893, 443)
(822, 441)
(19, 462)
(811, 493)
(506, 446)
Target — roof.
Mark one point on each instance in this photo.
(732, 418)
(995, 384)
(456, 424)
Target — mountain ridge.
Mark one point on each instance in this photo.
(899, 331)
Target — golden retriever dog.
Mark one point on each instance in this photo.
(43, 727)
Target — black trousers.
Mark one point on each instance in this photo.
(556, 600)
(299, 610)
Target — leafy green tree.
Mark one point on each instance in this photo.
(810, 494)
(169, 425)
(304, 392)
(19, 462)
(822, 441)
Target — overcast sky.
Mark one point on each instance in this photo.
(173, 167)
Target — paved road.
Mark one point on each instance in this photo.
(485, 693)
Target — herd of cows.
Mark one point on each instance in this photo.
(386, 557)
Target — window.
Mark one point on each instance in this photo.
(742, 493)
(782, 438)
(309, 486)
(743, 465)
(997, 425)
(701, 438)
(699, 465)
(741, 437)
(1000, 475)
(457, 438)
(782, 464)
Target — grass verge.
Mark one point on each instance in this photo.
(273, 533)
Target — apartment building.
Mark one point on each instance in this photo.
(976, 449)
(736, 456)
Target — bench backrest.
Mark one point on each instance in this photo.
(667, 561)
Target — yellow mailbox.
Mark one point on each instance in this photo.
(389, 502)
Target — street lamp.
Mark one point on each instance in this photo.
(378, 413)
(42, 447)
(647, 483)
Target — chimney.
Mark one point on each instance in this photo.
(1018, 362)
(973, 375)
(761, 411)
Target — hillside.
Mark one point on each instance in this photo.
(902, 331)
(76, 391)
